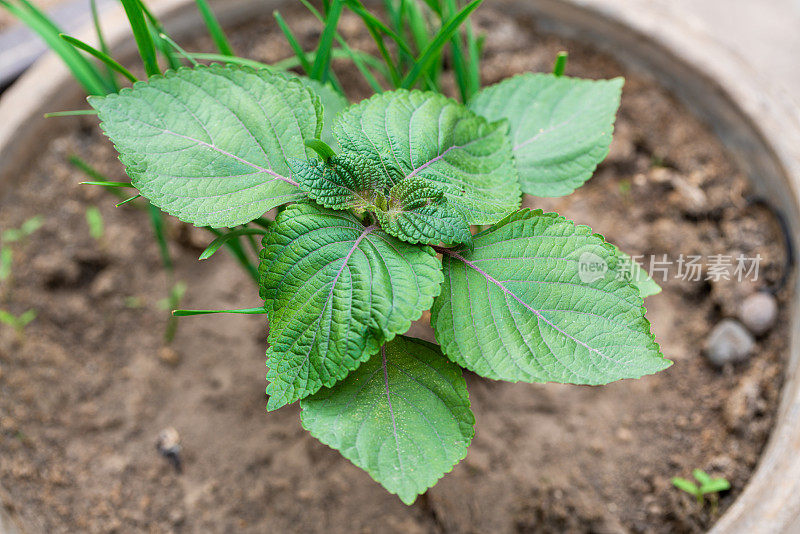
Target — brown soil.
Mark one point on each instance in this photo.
(86, 390)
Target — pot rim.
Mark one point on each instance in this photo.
(754, 119)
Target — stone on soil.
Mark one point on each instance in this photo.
(758, 312)
(729, 342)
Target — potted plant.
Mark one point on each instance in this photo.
(343, 181)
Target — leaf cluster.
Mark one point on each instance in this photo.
(376, 201)
(376, 204)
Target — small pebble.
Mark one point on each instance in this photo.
(728, 342)
(623, 434)
(169, 356)
(169, 445)
(177, 517)
(758, 312)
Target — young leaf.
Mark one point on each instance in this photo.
(715, 485)
(418, 212)
(688, 486)
(521, 306)
(335, 292)
(560, 127)
(343, 182)
(430, 136)
(211, 145)
(403, 417)
(701, 476)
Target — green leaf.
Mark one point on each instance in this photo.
(343, 182)
(210, 145)
(523, 306)
(560, 127)
(418, 212)
(430, 136)
(335, 292)
(403, 417)
(701, 476)
(715, 485)
(638, 276)
(686, 485)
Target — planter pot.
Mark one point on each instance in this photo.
(718, 88)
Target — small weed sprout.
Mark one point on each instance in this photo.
(15, 235)
(95, 221)
(706, 487)
(17, 322)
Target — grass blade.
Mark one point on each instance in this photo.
(434, 48)
(235, 248)
(459, 61)
(417, 25)
(144, 39)
(97, 177)
(173, 300)
(110, 62)
(228, 59)
(435, 6)
(359, 59)
(245, 311)
(322, 61)
(83, 71)
(72, 113)
(131, 199)
(372, 21)
(167, 39)
(214, 29)
(293, 43)
(158, 35)
(108, 184)
(474, 49)
(98, 30)
(157, 220)
(560, 64)
(224, 238)
(375, 29)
